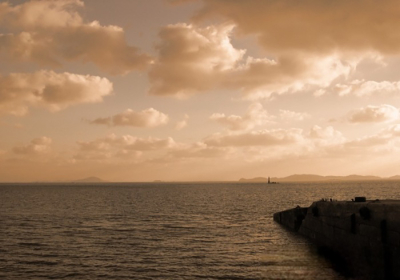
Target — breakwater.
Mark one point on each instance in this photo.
(364, 234)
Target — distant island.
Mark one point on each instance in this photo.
(257, 179)
(318, 178)
(89, 180)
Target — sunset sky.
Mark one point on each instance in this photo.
(135, 90)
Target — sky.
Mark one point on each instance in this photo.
(187, 90)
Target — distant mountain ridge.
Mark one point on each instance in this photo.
(315, 178)
(90, 180)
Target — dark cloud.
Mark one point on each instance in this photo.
(52, 32)
(316, 26)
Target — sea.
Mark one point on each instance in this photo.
(214, 230)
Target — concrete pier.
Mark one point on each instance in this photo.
(364, 234)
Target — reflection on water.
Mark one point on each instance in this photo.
(165, 231)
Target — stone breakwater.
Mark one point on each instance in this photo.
(365, 235)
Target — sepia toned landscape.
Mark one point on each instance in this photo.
(199, 139)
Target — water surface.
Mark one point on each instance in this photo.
(163, 230)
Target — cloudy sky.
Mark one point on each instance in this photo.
(133, 90)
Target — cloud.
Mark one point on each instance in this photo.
(145, 118)
(54, 91)
(256, 138)
(255, 116)
(52, 32)
(314, 26)
(327, 143)
(381, 143)
(115, 147)
(262, 145)
(37, 146)
(393, 130)
(149, 150)
(183, 123)
(260, 78)
(288, 115)
(189, 55)
(273, 144)
(325, 136)
(318, 132)
(197, 150)
(278, 141)
(41, 14)
(366, 142)
(366, 88)
(374, 114)
(319, 92)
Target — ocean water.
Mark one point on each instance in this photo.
(163, 230)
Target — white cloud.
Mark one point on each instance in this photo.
(325, 136)
(382, 143)
(196, 151)
(366, 88)
(52, 32)
(263, 145)
(366, 142)
(145, 118)
(55, 91)
(256, 138)
(183, 123)
(285, 144)
(319, 92)
(318, 132)
(260, 78)
(288, 115)
(374, 114)
(37, 146)
(127, 147)
(393, 130)
(255, 116)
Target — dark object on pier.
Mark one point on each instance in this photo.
(360, 199)
(364, 235)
